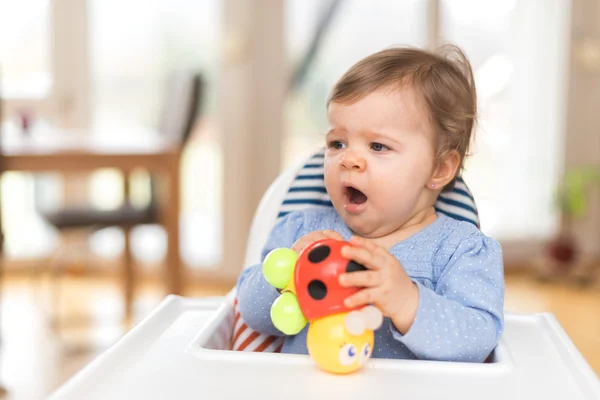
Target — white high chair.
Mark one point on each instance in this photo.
(182, 349)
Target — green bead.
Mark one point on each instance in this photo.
(286, 314)
(278, 267)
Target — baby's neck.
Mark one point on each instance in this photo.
(415, 224)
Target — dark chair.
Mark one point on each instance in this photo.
(180, 111)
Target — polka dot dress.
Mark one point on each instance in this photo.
(457, 269)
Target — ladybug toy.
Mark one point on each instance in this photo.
(339, 339)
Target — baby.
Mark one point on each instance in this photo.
(400, 124)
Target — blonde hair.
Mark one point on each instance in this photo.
(443, 80)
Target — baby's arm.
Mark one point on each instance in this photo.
(255, 295)
(462, 318)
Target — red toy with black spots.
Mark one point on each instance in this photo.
(316, 279)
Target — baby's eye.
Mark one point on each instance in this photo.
(379, 147)
(336, 144)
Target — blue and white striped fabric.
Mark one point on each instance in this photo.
(308, 190)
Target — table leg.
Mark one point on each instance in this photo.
(171, 209)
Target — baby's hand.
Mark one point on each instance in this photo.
(385, 283)
(309, 238)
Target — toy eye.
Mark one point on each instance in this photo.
(365, 354)
(347, 354)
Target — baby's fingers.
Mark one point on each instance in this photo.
(362, 298)
(360, 279)
(361, 256)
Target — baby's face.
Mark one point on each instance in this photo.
(379, 160)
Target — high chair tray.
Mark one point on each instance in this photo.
(177, 352)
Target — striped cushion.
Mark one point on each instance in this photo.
(308, 190)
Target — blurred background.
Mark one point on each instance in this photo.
(139, 136)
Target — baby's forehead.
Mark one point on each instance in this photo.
(399, 107)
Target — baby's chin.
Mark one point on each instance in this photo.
(360, 226)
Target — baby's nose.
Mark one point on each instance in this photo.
(353, 161)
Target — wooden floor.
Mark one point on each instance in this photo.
(35, 359)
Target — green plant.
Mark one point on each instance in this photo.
(573, 192)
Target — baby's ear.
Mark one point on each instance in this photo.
(445, 170)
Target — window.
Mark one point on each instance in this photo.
(518, 53)
(26, 84)
(25, 49)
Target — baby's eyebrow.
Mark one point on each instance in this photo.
(384, 135)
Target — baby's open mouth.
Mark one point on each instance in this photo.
(354, 195)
